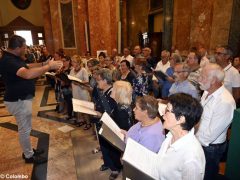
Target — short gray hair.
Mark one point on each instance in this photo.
(185, 67)
(214, 70)
(177, 57)
(105, 74)
(150, 104)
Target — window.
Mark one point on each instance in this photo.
(40, 35)
(40, 42)
(27, 35)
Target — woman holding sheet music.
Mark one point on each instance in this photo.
(104, 103)
(122, 94)
(122, 115)
(181, 155)
(65, 85)
(78, 91)
(149, 130)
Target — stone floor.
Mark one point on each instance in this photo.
(69, 153)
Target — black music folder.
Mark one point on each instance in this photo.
(160, 75)
(131, 172)
(111, 137)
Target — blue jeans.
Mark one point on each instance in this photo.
(22, 111)
(213, 154)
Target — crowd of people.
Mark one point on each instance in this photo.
(200, 94)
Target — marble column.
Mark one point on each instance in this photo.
(102, 25)
(81, 15)
(182, 24)
(221, 23)
(47, 26)
(56, 24)
(124, 34)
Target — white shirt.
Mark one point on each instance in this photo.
(217, 115)
(184, 159)
(129, 58)
(232, 77)
(161, 67)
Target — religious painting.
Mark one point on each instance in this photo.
(67, 24)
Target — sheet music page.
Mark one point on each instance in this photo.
(161, 108)
(74, 79)
(50, 73)
(86, 104)
(159, 74)
(140, 157)
(83, 109)
(164, 73)
(154, 78)
(112, 125)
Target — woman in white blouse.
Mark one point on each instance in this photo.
(181, 156)
(78, 91)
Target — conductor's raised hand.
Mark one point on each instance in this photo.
(55, 65)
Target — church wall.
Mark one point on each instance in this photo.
(101, 18)
(201, 23)
(9, 12)
(195, 22)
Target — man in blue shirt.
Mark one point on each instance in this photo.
(182, 85)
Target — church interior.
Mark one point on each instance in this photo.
(87, 28)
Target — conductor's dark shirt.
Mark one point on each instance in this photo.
(16, 87)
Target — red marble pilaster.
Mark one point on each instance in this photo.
(47, 25)
(103, 27)
(56, 24)
(81, 16)
(222, 12)
(201, 23)
(182, 24)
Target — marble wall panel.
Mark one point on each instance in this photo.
(47, 25)
(113, 23)
(221, 23)
(80, 15)
(102, 25)
(124, 27)
(56, 24)
(182, 24)
(201, 23)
